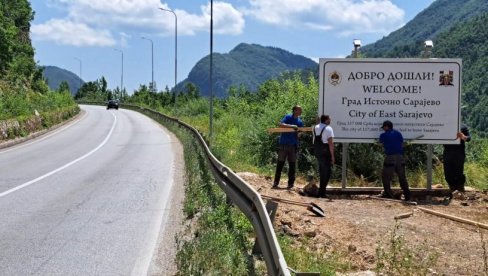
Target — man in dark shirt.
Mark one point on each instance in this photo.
(392, 141)
(288, 147)
(454, 157)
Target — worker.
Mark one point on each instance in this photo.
(288, 146)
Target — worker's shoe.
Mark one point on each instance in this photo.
(385, 195)
(275, 186)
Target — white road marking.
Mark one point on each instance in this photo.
(64, 166)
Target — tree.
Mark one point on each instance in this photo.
(63, 87)
(16, 52)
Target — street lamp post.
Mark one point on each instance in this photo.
(345, 146)
(357, 45)
(428, 45)
(79, 60)
(211, 69)
(122, 71)
(152, 62)
(176, 48)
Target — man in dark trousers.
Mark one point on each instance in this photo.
(323, 144)
(392, 141)
(454, 157)
(288, 146)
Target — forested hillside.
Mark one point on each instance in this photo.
(469, 42)
(55, 76)
(458, 30)
(439, 17)
(247, 64)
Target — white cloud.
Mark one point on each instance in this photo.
(226, 20)
(95, 17)
(347, 17)
(70, 33)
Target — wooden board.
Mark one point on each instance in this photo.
(286, 129)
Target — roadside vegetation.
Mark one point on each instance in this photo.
(26, 103)
(240, 140)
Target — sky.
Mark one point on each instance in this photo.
(94, 37)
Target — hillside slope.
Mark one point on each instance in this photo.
(55, 75)
(247, 64)
(469, 42)
(439, 17)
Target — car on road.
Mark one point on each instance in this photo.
(112, 104)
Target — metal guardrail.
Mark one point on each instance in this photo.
(240, 192)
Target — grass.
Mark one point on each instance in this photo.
(396, 257)
(301, 256)
(219, 243)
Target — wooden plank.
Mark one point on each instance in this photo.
(405, 215)
(287, 129)
(458, 219)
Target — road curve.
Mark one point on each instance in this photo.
(89, 199)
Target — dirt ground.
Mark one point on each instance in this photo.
(356, 224)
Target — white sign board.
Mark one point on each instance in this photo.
(421, 97)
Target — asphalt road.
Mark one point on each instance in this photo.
(90, 198)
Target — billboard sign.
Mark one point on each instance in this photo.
(421, 97)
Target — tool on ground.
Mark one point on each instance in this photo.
(454, 218)
(287, 129)
(314, 208)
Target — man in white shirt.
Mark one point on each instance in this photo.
(323, 143)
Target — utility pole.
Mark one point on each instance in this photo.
(428, 45)
(152, 62)
(122, 72)
(211, 69)
(176, 49)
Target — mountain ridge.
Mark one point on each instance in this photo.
(246, 64)
(439, 17)
(55, 75)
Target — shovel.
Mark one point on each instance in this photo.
(314, 208)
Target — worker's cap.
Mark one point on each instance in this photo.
(387, 123)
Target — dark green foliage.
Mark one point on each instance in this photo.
(97, 91)
(16, 52)
(55, 76)
(247, 64)
(469, 42)
(365, 160)
(434, 20)
(458, 29)
(63, 87)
